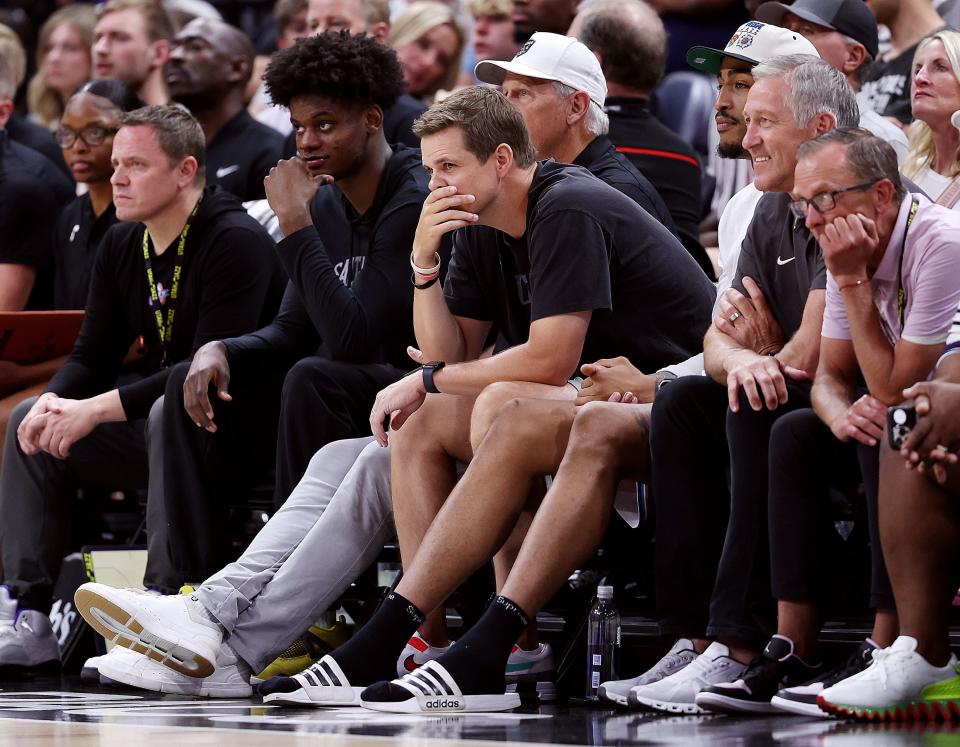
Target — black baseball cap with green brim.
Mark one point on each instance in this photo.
(753, 43)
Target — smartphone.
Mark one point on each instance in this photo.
(901, 419)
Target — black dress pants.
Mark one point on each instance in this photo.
(806, 459)
(712, 561)
(277, 417)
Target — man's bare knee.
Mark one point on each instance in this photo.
(603, 428)
(488, 404)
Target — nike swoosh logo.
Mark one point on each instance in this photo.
(227, 170)
(409, 664)
(783, 262)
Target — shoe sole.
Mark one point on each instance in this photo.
(196, 689)
(531, 691)
(663, 706)
(463, 704)
(611, 697)
(302, 698)
(948, 710)
(121, 627)
(713, 702)
(798, 707)
(25, 670)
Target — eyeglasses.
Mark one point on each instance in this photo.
(825, 201)
(91, 136)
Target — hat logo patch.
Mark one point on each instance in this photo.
(524, 49)
(743, 37)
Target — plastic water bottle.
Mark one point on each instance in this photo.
(603, 641)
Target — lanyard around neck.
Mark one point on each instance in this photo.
(901, 290)
(165, 325)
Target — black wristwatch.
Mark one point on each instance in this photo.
(662, 378)
(429, 369)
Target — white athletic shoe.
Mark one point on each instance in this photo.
(676, 693)
(172, 630)
(530, 665)
(416, 653)
(231, 678)
(679, 656)
(900, 685)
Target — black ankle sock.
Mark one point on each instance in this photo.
(371, 654)
(478, 661)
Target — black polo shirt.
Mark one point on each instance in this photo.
(784, 259)
(32, 194)
(666, 159)
(587, 247)
(350, 297)
(601, 159)
(76, 237)
(241, 155)
(22, 130)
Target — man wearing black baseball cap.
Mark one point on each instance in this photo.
(845, 35)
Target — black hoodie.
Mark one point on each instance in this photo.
(231, 283)
(350, 297)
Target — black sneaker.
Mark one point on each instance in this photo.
(775, 668)
(802, 699)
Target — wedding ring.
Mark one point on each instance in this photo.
(941, 447)
(734, 316)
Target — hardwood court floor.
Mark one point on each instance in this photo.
(61, 711)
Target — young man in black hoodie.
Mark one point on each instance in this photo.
(188, 266)
(345, 321)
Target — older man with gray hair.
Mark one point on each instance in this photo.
(711, 572)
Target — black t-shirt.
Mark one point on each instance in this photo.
(350, 297)
(601, 159)
(587, 247)
(784, 259)
(397, 125)
(32, 194)
(668, 161)
(22, 130)
(242, 154)
(76, 236)
(230, 282)
(885, 88)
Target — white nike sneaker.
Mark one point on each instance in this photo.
(532, 674)
(173, 630)
(900, 685)
(679, 656)
(676, 693)
(230, 679)
(416, 653)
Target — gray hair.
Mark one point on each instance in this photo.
(816, 87)
(596, 122)
(869, 157)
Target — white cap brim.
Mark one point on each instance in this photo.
(491, 71)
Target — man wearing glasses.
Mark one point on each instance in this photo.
(893, 284)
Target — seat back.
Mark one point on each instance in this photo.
(684, 103)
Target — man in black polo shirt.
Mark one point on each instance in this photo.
(631, 44)
(32, 193)
(558, 85)
(197, 253)
(345, 321)
(209, 66)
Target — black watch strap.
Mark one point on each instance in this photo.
(429, 369)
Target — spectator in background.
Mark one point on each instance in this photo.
(552, 16)
(290, 17)
(87, 126)
(364, 17)
(491, 36)
(32, 193)
(206, 259)
(885, 87)
(19, 128)
(131, 42)
(429, 43)
(934, 160)
(63, 62)
(845, 34)
(630, 42)
(208, 70)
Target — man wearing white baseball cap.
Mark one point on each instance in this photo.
(557, 84)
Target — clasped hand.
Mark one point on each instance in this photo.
(54, 425)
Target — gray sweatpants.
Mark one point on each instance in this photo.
(331, 528)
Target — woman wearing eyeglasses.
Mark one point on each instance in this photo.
(934, 158)
(90, 120)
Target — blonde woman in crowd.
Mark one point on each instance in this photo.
(934, 158)
(63, 62)
(429, 42)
